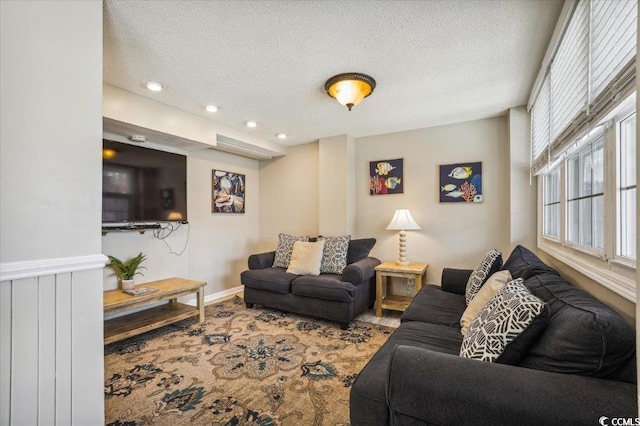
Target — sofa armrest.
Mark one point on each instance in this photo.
(360, 271)
(441, 389)
(262, 260)
(455, 280)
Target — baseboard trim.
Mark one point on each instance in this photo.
(214, 297)
(37, 268)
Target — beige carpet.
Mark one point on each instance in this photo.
(242, 367)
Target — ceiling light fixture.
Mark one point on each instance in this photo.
(350, 88)
(211, 108)
(154, 86)
(282, 135)
(108, 153)
(251, 124)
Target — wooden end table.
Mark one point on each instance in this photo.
(386, 270)
(115, 301)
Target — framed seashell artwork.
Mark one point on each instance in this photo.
(227, 192)
(386, 177)
(461, 183)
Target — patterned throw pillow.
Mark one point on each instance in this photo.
(284, 250)
(482, 272)
(507, 325)
(334, 257)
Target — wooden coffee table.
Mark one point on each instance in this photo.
(115, 301)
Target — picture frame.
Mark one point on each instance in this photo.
(461, 183)
(386, 177)
(227, 192)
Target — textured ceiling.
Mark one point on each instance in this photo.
(435, 62)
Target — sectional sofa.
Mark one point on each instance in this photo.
(580, 369)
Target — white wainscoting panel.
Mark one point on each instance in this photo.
(51, 351)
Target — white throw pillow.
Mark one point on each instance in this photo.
(486, 292)
(306, 258)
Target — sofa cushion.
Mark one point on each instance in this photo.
(306, 258)
(359, 249)
(584, 336)
(372, 380)
(284, 250)
(522, 263)
(435, 306)
(324, 286)
(334, 258)
(491, 287)
(489, 265)
(506, 326)
(275, 280)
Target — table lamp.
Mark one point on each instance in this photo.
(402, 221)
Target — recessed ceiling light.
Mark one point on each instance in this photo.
(154, 86)
(282, 135)
(251, 124)
(211, 108)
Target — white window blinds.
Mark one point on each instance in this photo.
(591, 72)
(613, 40)
(540, 125)
(569, 71)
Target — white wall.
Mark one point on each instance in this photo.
(289, 195)
(452, 234)
(51, 352)
(522, 189)
(220, 243)
(51, 129)
(336, 185)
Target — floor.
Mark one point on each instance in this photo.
(388, 318)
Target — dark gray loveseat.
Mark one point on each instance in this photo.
(338, 298)
(580, 369)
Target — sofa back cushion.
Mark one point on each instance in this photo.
(584, 336)
(359, 249)
(522, 263)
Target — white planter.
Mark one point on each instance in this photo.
(127, 284)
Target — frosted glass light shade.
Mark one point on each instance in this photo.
(350, 88)
(402, 220)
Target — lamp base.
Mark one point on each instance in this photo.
(405, 263)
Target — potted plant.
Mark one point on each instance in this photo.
(126, 271)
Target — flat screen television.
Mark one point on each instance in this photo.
(142, 185)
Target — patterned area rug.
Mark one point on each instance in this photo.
(241, 367)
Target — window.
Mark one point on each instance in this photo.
(585, 197)
(588, 204)
(583, 143)
(627, 234)
(552, 204)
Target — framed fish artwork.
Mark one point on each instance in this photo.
(386, 177)
(227, 192)
(461, 183)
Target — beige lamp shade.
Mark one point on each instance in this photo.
(402, 219)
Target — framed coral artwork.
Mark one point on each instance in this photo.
(227, 192)
(461, 183)
(385, 177)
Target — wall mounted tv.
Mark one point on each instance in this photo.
(142, 184)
